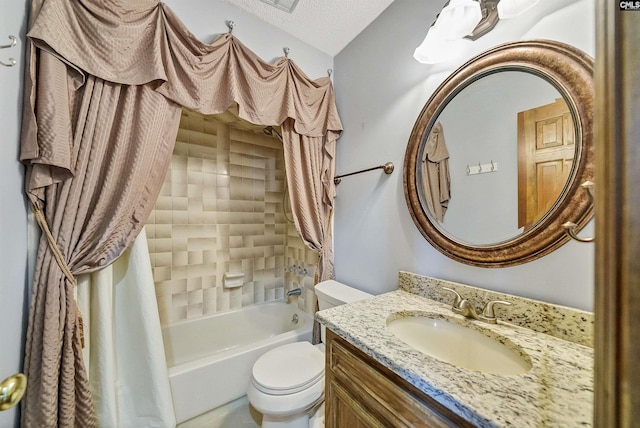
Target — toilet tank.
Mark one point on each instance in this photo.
(333, 293)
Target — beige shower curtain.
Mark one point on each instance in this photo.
(103, 91)
(92, 216)
(310, 170)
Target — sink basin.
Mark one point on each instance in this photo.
(458, 345)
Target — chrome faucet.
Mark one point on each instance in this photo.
(294, 292)
(465, 308)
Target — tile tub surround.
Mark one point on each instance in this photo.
(562, 322)
(557, 391)
(221, 210)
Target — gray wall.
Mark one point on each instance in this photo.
(13, 213)
(380, 91)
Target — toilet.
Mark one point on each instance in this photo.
(287, 382)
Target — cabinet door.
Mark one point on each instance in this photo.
(346, 411)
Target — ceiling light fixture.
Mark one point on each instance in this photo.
(465, 19)
(489, 19)
(512, 8)
(458, 19)
(436, 48)
(286, 5)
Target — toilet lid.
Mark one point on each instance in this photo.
(289, 368)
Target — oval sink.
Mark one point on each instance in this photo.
(458, 345)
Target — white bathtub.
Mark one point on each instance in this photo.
(210, 358)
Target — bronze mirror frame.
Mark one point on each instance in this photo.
(570, 71)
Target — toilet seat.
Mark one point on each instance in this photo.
(288, 369)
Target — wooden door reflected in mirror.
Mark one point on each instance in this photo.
(546, 149)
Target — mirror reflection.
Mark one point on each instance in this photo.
(493, 214)
(487, 175)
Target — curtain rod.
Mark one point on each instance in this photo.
(387, 167)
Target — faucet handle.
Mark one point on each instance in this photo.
(458, 299)
(488, 313)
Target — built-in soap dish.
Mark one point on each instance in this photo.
(233, 279)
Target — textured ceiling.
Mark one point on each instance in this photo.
(328, 25)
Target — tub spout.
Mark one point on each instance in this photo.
(294, 292)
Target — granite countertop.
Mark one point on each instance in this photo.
(556, 392)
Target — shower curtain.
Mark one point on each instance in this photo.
(104, 87)
(124, 355)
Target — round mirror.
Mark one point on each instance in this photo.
(495, 160)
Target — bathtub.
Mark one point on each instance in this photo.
(210, 358)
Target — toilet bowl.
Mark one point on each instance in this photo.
(287, 383)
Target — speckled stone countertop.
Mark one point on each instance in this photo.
(556, 392)
(562, 322)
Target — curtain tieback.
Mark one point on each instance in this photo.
(42, 222)
(57, 254)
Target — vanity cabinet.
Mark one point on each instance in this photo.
(360, 392)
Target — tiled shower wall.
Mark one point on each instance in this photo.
(221, 210)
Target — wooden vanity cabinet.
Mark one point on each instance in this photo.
(362, 393)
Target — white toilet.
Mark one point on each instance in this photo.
(287, 383)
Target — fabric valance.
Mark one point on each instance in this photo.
(144, 43)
